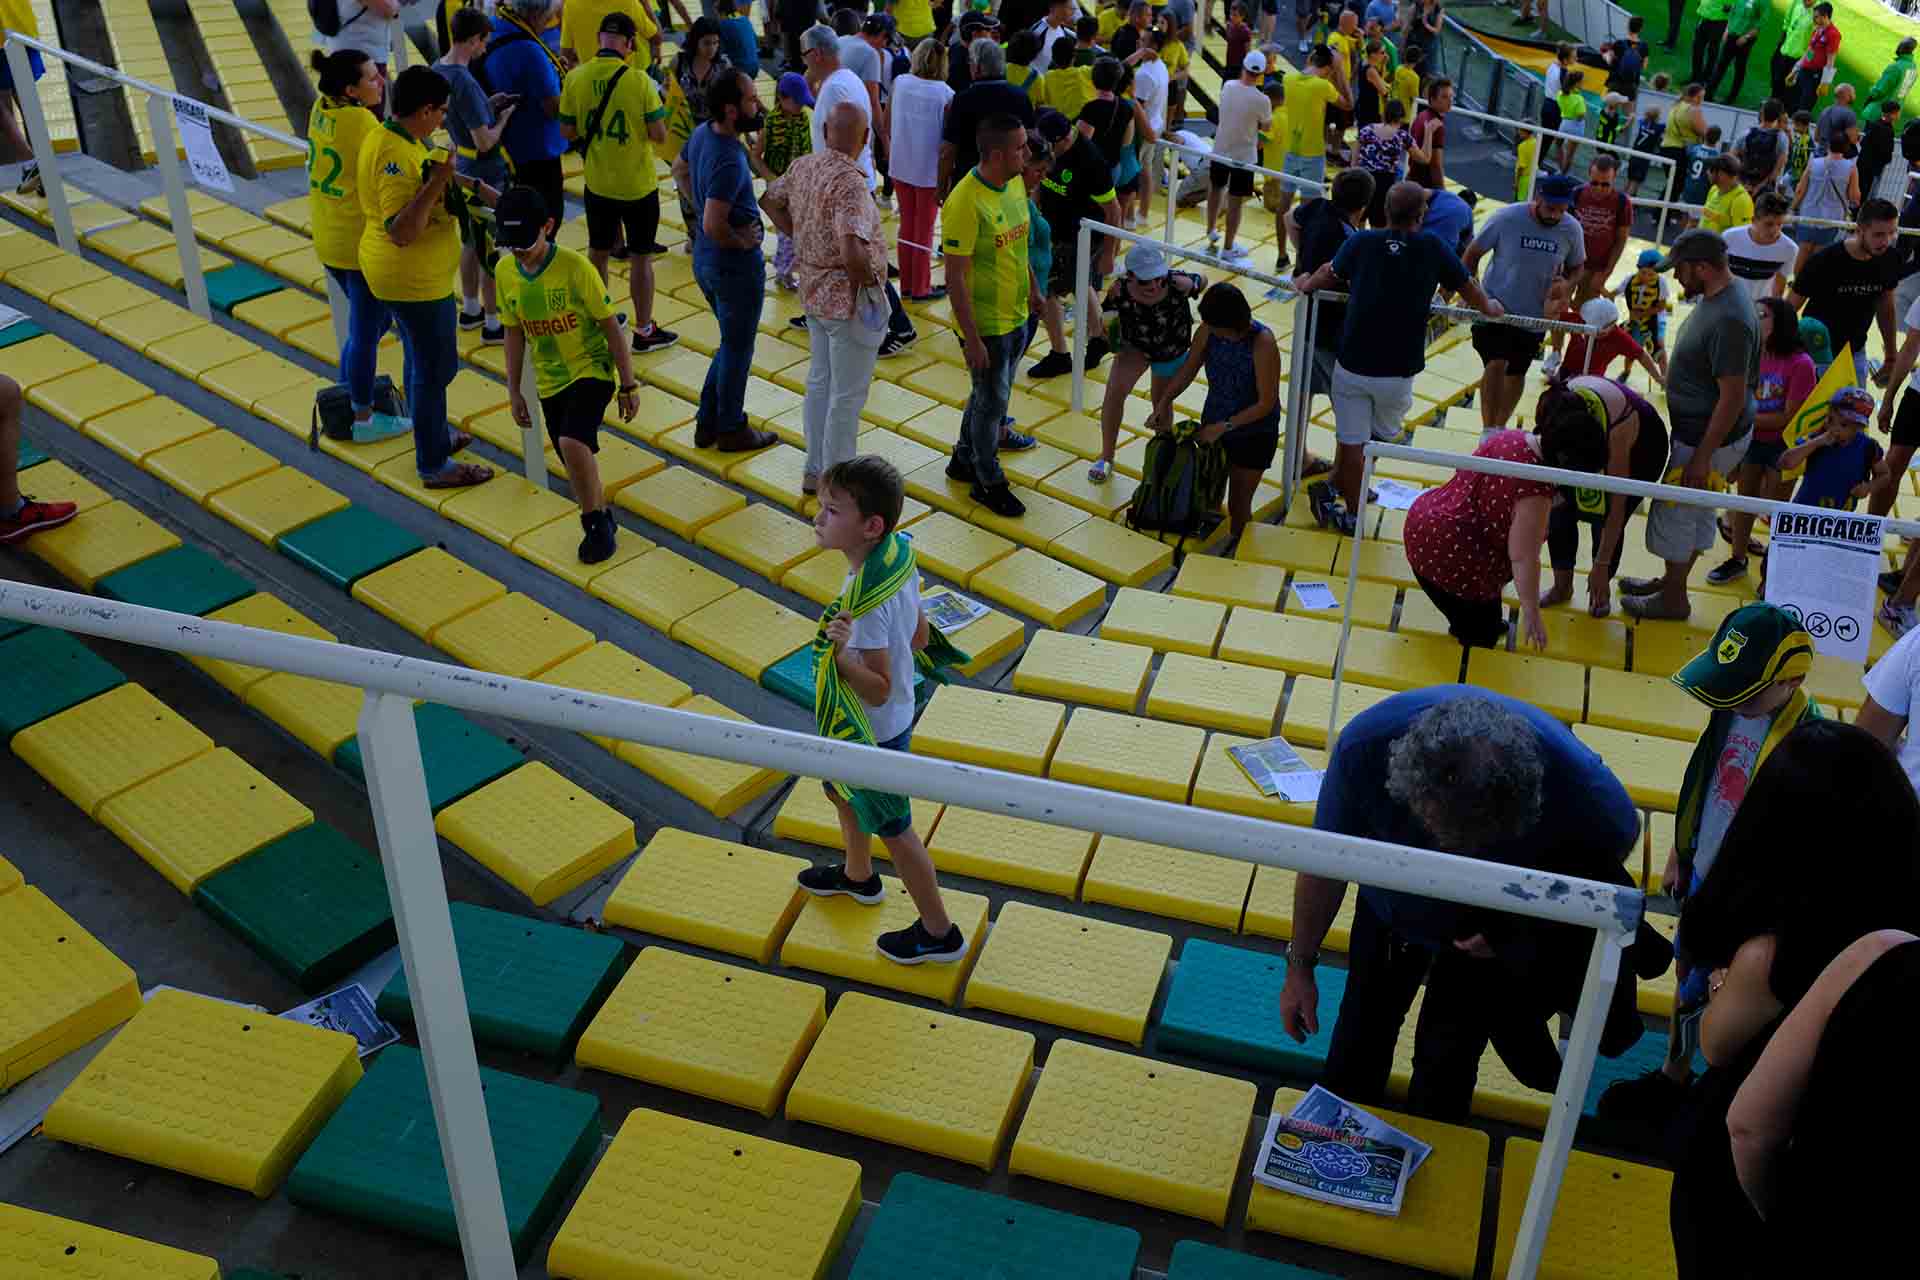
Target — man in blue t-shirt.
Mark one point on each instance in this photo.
(522, 61)
(1391, 276)
(727, 262)
(1463, 771)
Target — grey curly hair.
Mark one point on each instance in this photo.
(989, 59)
(1470, 771)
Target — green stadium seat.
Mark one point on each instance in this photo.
(1192, 1260)
(44, 672)
(183, 580)
(1220, 1006)
(459, 756)
(530, 985)
(1003, 1238)
(312, 903)
(347, 545)
(112, 537)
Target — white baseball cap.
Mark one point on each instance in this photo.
(1599, 312)
(1255, 61)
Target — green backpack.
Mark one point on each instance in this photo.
(1182, 484)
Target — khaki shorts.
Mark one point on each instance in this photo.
(1676, 533)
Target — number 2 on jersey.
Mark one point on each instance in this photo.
(325, 186)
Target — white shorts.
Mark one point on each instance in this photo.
(1367, 408)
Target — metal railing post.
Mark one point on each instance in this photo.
(1172, 184)
(533, 436)
(173, 174)
(410, 856)
(1301, 362)
(1353, 588)
(1569, 1096)
(1081, 279)
(40, 138)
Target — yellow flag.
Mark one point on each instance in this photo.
(1812, 418)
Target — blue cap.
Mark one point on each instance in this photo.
(1649, 258)
(1556, 188)
(794, 85)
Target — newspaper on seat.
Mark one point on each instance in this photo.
(1328, 1150)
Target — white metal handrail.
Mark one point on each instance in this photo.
(411, 859)
(1558, 476)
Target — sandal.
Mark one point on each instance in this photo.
(1654, 608)
(460, 476)
(1315, 466)
(459, 440)
(1099, 471)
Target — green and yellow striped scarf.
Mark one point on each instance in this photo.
(838, 711)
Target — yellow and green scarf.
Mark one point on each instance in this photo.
(838, 712)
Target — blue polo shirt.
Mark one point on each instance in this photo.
(1587, 823)
(521, 68)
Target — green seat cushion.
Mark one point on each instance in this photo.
(378, 1159)
(43, 672)
(230, 286)
(184, 580)
(530, 984)
(347, 545)
(1006, 1239)
(313, 903)
(459, 755)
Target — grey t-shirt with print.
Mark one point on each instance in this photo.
(1525, 256)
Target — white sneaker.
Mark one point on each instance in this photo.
(1551, 365)
(1239, 253)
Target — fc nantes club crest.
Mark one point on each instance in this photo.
(1729, 650)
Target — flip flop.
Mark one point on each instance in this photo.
(465, 475)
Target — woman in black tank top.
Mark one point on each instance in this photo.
(1637, 447)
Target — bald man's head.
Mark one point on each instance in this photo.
(846, 129)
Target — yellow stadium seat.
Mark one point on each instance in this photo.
(141, 326)
(947, 545)
(1649, 767)
(1172, 1138)
(1283, 641)
(1310, 703)
(277, 502)
(906, 455)
(282, 311)
(932, 1082)
(1611, 1217)
(268, 612)
(1309, 551)
(1112, 552)
(706, 1028)
(1270, 909)
(607, 668)
(1040, 587)
(363, 457)
(539, 832)
(55, 275)
(555, 547)
(20, 250)
(55, 481)
(108, 744)
(1044, 520)
(648, 1209)
(88, 393)
(427, 590)
(209, 464)
(660, 587)
(1557, 688)
(514, 635)
(1662, 648)
(1084, 669)
(986, 640)
(1178, 883)
(679, 499)
(1006, 850)
(1389, 660)
(43, 359)
(1167, 623)
(1438, 1226)
(1379, 562)
(1836, 682)
(836, 936)
(931, 485)
(401, 474)
(186, 1054)
(37, 1245)
(506, 508)
(746, 631)
(1230, 582)
(1372, 602)
(1216, 694)
(1223, 784)
(208, 347)
(999, 730)
(709, 892)
(717, 786)
(319, 713)
(760, 538)
(1657, 995)
(1128, 754)
(59, 989)
(139, 430)
(1070, 484)
(96, 302)
(1070, 970)
(202, 816)
(776, 474)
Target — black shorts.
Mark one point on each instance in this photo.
(1518, 347)
(1065, 254)
(1550, 114)
(1252, 447)
(607, 218)
(1237, 181)
(575, 411)
(545, 177)
(1906, 421)
(1130, 187)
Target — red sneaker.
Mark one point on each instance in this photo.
(33, 517)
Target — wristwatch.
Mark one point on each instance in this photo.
(1302, 959)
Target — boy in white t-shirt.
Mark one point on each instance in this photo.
(1893, 686)
(864, 670)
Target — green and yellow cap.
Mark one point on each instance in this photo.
(1756, 645)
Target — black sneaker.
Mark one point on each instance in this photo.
(914, 945)
(1325, 504)
(653, 338)
(472, 319)
(960, 471)
(493, 334)
(895, 343)
(1052, 365)
(999, 499)
(602, 538)
(1097, 350)
(1280, 265)
(1890, 582)
(1733, 567)
(831, 881)
(797, 322)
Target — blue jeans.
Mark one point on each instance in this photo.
(433, 357)
(979, 443)
(368, 319)
(734, 282)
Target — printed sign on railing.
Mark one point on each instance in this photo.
(204, 162)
